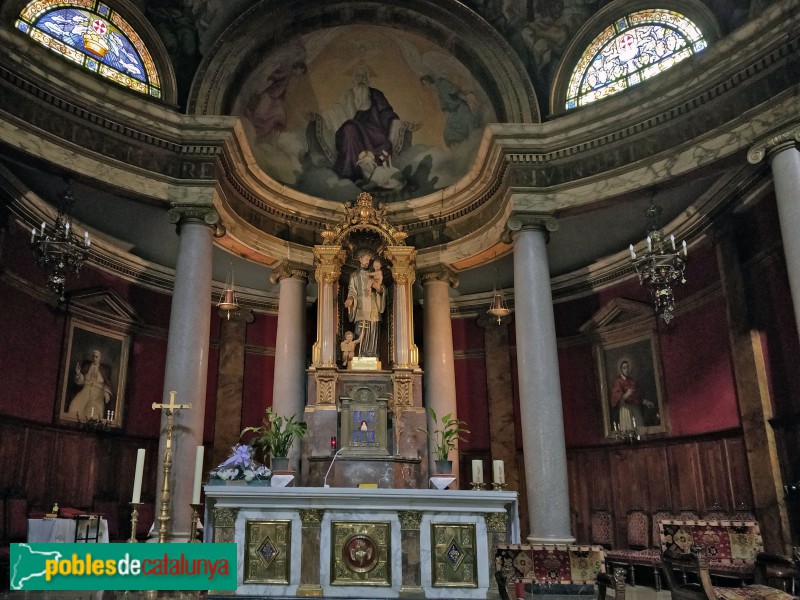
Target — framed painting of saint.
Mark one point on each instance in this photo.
(93, 375)
(630, 387)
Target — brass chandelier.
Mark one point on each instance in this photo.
(57, 250)
(662, 265)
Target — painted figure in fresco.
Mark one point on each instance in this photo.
(627, 398)
(366, 133)
(95, 394)
(267, 108)
(366, 301)
(459, 118)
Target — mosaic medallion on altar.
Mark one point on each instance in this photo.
(267, 558)
(453, 550)
(360, 553)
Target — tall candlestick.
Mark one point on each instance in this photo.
(498, 471)
(198, 475)
(477, 471)
(137, 479)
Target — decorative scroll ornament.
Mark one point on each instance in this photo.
(363, 216)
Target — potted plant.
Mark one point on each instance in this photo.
(275, 436)
(445, 434)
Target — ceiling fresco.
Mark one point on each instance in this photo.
(363, 108)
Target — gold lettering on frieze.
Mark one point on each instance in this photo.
(311, 517)
(361, 553)
(497, 522)
(267, 557)
(453, 550)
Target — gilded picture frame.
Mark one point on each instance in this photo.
(631, 387)
(93, 375)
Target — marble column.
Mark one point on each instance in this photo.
(311, 520)
(289, 386)
(755, 402)
(186, 369)
(541, 414)
(404, 352)
(784, 156)
(328, 261)
(440, 377)
(500, 391)
(496, 534)
(230, 382)
(411, 586)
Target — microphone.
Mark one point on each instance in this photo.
(325, 480)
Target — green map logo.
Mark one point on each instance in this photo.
(123, 567)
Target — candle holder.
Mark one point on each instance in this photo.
(196, 508)
(499, 486)
(478, 485)
(134, 520)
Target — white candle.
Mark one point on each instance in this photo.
(633, 254)
(672, 239)
(198, 475)
(684, 247)
(477, 471)
(633, 420)
(649, 244)
(498, 471)
(137, 479)
(33, 234)
(42, 227)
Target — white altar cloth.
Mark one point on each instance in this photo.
(63, 530)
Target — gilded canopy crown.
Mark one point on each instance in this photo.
(362, 216)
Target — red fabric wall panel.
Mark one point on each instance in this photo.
(583, 413)
(699, 388)
(30, 356)
(145, 385)
(257, 394)
(471, 401)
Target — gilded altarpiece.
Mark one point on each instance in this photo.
(454, 555)
(361, 553)
(267, 556)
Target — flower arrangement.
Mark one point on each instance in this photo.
(240, 466)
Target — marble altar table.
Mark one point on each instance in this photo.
(363, 543)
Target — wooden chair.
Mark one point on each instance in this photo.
(639, 552)
(602, 528)
(615, 581)
(697, 563)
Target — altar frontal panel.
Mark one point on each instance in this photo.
(360, 554)
(267, 557)
(454, 555)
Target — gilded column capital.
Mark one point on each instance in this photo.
(788, 138)
(195, 213)
(497, 522)
(439, 273)
(528, 221)
(311, 518)
(287, 270)
(410, 519)
(403, 263)
(225, 517)
(329, 260)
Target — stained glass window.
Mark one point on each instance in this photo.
(632, 49)
(95, 36)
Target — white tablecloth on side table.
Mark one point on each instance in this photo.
(63, 530)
